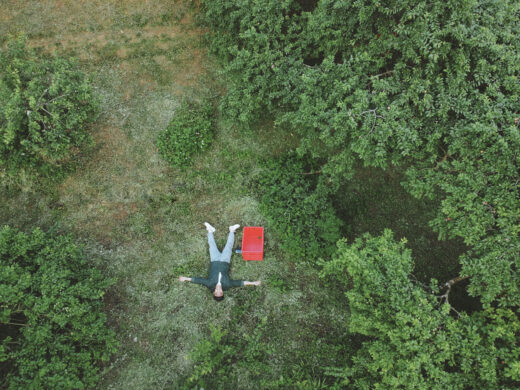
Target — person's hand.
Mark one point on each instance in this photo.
(257, 283)
(184, 279)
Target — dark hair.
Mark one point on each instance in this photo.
(218, 298)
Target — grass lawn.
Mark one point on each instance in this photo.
(142, 222)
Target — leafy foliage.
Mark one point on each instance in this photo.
(412, 341)
(302, 217)
(261, 43)
(216, 357)
(45, 106)
(374, 200)
(51, 318)
(430, 86)
(190, 131)
(222, 359)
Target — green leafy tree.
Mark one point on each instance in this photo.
(430, 86)
(46, 105)
(302, 217)
(259, 42)
(413, 337)
(190, 131)
(52, 326)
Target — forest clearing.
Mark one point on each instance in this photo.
(376, 143)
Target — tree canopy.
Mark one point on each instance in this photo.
(432, 88)
(53, 329)
(412, 338)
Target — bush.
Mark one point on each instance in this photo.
(45, 106)
(189, 132)
(302, 217)
(52, 327)
(413, 337)
(227, 357)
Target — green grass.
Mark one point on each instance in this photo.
(51, 19)
(142, 222)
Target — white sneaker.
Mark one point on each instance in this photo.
(209, 228)
(233, 228)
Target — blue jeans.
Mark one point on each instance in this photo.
(214, 253)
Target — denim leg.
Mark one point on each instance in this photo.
(214, 253)
(228, 249)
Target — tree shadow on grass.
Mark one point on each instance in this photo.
(374, 200)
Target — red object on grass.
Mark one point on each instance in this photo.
(253, 243)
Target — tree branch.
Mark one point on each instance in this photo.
(384, 73)
(453, 281)
(13, 323)
(442, 160)
(374, 112)
(449, 284)
(38, 101)
(452, 308)
(57, 97)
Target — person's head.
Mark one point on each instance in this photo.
(218, 294)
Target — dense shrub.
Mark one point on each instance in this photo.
(413, 337)
(46, 105)
(215, 358)
(302, 217)
(222, 360)
(52, 327)
(190, 131)
(260, 42)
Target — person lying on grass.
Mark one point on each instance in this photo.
(218, 279)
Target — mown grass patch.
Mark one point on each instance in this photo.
(55, 19)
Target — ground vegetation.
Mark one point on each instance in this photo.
(338, 121)
(47, 105)
(52, 323)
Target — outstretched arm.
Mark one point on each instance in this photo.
(240, 283)
(202, 281)
(257, 283)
